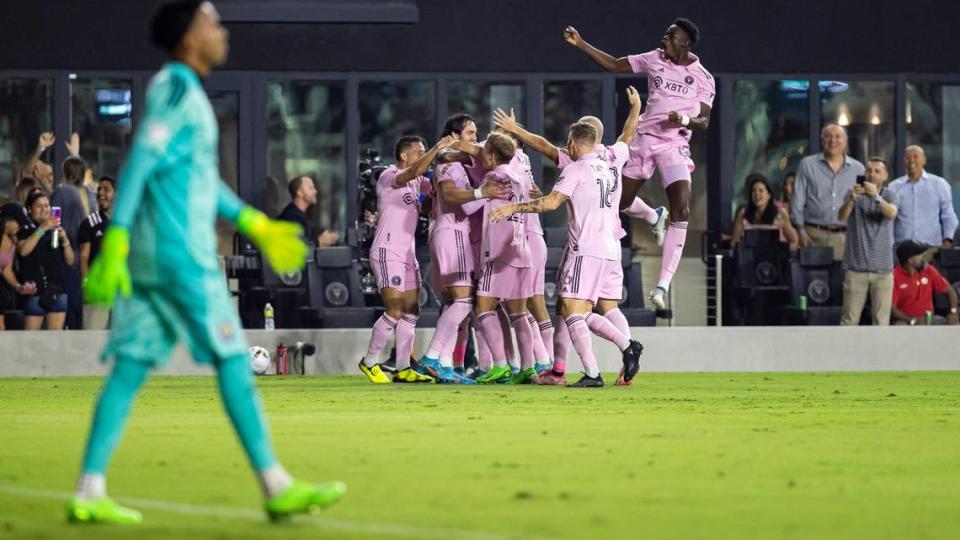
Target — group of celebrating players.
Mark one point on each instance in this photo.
(487, 245)
(159, 271)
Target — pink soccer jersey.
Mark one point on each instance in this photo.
(445, 215)
(506, 242)
(671, 87)
(399, 207)
(520, 164)
(593, 187)
(600, 151)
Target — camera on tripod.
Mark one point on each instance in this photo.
(370, 169)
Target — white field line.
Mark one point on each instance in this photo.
(346, 525)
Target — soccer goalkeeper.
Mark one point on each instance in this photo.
(159, 262)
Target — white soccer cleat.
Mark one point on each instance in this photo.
(658, 297)
(659, 227)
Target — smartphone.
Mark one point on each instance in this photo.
(55, 212)
(861, 179)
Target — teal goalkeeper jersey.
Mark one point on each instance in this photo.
(169, 189)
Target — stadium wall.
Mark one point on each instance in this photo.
(787, 36)
(679, 349)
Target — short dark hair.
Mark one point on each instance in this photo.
(583, 132)
(406, 142)
(456, 123)
(34, 195)
(501, 147)
(689, 27)
(294, 186)
(878, 159)
(110, 180)
(74, 168)
(171, 22)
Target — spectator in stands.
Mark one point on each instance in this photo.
(303, 193)
(36, 168)
(914, 282)
(786, 191)
(926, 205)
(24, 187)
(761, 212)
(44, 265)
(12, 218)
(72, 197)
(822, 182)
(89, 237)
(869, 210)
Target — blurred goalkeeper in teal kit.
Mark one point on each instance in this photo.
(159, 262)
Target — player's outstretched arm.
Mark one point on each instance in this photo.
(454, 195)
(630, 126)
(509, 124)
(604, 60)
(420, 166)
(544, 204)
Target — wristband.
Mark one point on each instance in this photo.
(685, 120)
(478, 194)
(878, 198)
(38, 233)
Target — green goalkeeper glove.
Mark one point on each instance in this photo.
(280, 241)
(109, 273)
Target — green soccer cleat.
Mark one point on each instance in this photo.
(495, 374)
(102, 510)
(522, 377)
(301, 498)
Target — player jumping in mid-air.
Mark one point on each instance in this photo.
(680, 96)
(591, 271)
(163, 264)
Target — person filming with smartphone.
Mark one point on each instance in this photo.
(869, 209)
(45, 253)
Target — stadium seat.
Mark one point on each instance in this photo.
(817, 276)
(760, 281)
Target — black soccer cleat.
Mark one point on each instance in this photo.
(588, 382)
(631, 360)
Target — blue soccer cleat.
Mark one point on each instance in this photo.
(429, 366)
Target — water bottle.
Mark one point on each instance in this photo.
(268, 317)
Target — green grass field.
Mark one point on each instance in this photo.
(841, 455)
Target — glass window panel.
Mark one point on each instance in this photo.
(565, 102)
(771, 132)
(306, 126)
(866, 110)
(479, 99)
(226, 106)
(26, 111)
(389, 110)
(933, 122)
(101, 113)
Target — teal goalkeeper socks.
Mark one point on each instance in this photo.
(242, 402)
(111, 413)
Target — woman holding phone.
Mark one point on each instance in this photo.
(45, 253)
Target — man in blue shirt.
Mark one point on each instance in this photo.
(926, 213)
(160, 255)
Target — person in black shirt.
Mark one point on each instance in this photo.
(44, 265)
(89, 237)
(303, 193)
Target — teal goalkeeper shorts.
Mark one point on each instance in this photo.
(197, 310)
